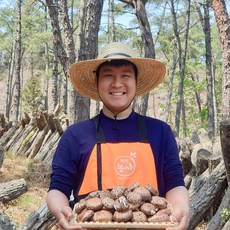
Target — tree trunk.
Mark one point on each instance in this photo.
(17, 93)
(58, 47)
(182, 59)
(79, 105)
(171, 80)
(10, 80)
(141, 103)
(223, 24)
(70, 46)
(12, 189)
(205, 22)
(197, 95)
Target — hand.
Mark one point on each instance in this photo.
(64, 217)
(180, 216)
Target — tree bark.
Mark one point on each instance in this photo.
(206, 196)
(12, 189)
(205, 22)
(41, 219)
(59, 50)
(70, 46)
(141, 103)
(17, 93)
(217, 222)
(182, 53)
(6, 223)
(38, 142)
(88, 38)
(2, 153)
(225, 144)
(223, 24)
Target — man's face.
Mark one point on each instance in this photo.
(117, 86)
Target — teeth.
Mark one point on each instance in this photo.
(117, 94)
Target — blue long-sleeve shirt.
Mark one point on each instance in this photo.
(78, 140)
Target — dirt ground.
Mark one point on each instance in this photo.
(37, 179)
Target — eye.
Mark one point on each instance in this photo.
(126, 76)
(108, 76)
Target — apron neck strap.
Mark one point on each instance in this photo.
(141, 124)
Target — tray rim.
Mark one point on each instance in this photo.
(125, 225)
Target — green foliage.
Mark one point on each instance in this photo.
(32, 96)
(225, 215)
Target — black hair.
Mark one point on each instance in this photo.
(116, 63)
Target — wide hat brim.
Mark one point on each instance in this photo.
(151, 73)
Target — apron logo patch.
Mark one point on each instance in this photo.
(125, 166)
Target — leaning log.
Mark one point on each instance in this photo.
(217, 222)
(204, 199)
(2, 154)
(38, 142)
(46, 149)
(12, 189)
(7, 136)
(6, 223)
(225, 144)
(41, 219)
(226, 226)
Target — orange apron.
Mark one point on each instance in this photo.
(122, 163)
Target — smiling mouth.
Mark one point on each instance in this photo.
(117, 94)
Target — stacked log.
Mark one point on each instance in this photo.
(35, 137)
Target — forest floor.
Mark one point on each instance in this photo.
(37, 179)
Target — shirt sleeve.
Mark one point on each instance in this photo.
(63, 169)
(173, 170)
(166, 154)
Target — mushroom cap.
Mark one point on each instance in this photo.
(105, 193)
(159, 218)
(134, 197)
(103, 216)
(121, 204)
(148, 209)
(85, 215)
(144, 192)
(94, 203)
(152, 190)
(118, 191)
(139, 216)
(79, 206)
(159, 202)
(123, 216)
(108, 203)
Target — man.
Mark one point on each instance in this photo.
(91, 153)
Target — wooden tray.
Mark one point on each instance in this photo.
(116, 225)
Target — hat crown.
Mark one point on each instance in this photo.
(117, 50)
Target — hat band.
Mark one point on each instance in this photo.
(116, 54)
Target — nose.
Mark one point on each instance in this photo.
(116, 81)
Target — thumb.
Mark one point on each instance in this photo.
(67, 212)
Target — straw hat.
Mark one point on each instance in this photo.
(151, 72)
